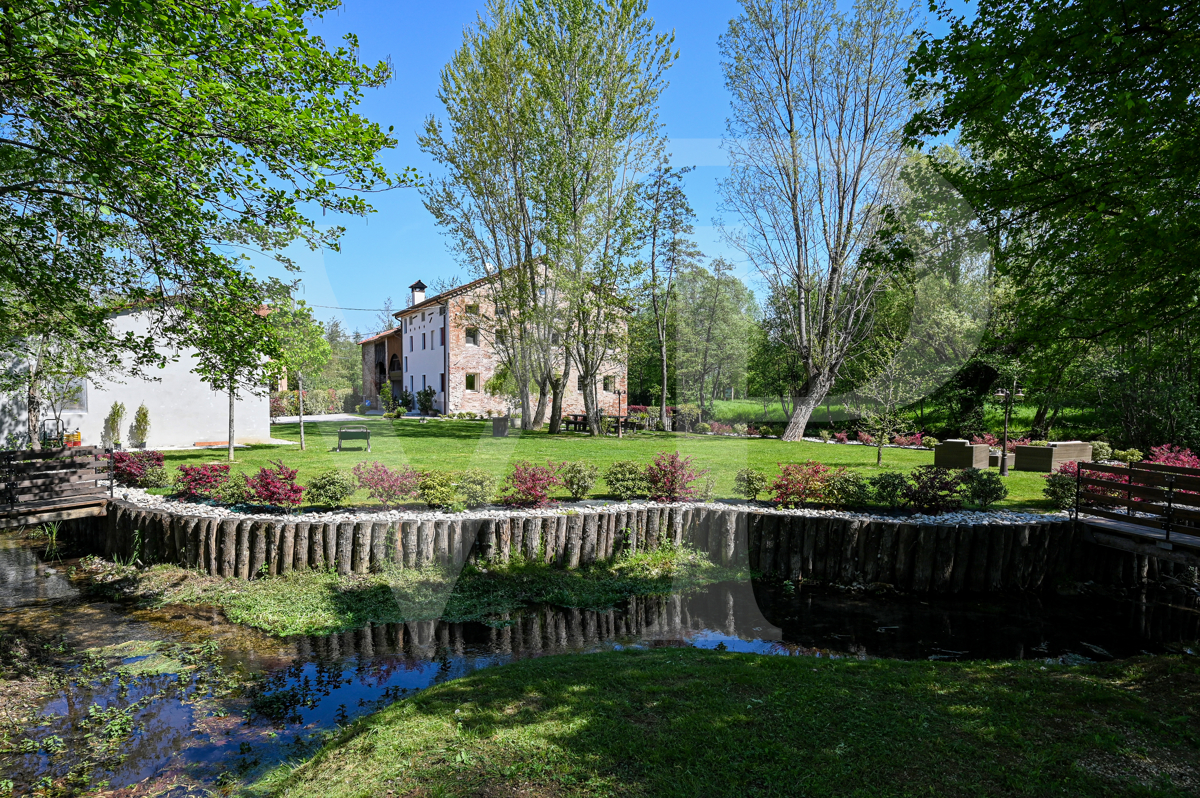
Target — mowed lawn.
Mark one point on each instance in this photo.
(457, 445)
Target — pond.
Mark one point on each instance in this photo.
(173, 712)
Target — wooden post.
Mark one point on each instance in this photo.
(316, 533)
(344, 555)
(260, 532)
(300, 558)
(590, 536)
(243, 549)
(287, 549)
(574, 540)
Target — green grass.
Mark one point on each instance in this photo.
(687, 722)
(321, 602)
(456, 445)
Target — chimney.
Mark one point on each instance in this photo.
(418, 293)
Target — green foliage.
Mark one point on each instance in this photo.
(476, 486)
(111, 436)
(425, 398)
(982, 488)
(438, 489)
(749, 482)
(888, 488)
(330, 488)
(929, 441)
(1128, 455)
(1060, 490)
(1101, 451)
(155, 477)
(703, 428)
(235, 490)
(626, 479)
(846, 488)
(578, 477)
(824, 434)
(139, 430)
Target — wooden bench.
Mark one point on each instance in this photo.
(51, 485)
(356, 432)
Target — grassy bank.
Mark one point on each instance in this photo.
(457, 445)
(688, 722)
(320, 602)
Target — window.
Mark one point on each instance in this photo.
(443, 382)
(579, 383)
(610, 383)
(423, 386)
(443, 336)
(422, 315)
(473, 310)
(410, 343)
(406, 364)
(472, 336)
(75, 396)
(422, 340)
(472, 382)
(441, 310)
(499, 337)
(609, 341)
(555, 338)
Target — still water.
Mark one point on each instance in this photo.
(261, 700)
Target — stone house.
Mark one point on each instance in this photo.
(438, 344)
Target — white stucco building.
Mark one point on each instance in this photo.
(184, 410)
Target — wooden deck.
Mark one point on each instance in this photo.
(1140, 539)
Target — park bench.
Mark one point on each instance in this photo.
(355, 432)
(49, 485)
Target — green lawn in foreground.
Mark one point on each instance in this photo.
(456, 445)
(687, 722)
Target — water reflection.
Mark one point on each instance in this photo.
(297, 689)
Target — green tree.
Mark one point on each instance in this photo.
(302, 345)
(143, 143)
(1079, 116)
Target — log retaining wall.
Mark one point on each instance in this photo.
(926, 558)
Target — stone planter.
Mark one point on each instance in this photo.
(1049, 458)
(960, 454)
(994, 459)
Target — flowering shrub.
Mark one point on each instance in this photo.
(752, 431)
(932, 490)
(276, 486)
(866, 437)
(130, 468)
(841, 437)
(529, 485)
(717, 428)
(798, 483)
(202, 481)
(994, 442)
(386, 486)
(669, 478)
(908, 440)
(1174, 456)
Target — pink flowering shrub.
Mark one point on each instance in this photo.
(798, 483)
(1170, 455)
(717, 428)
(670, 478)
(908, 440)
(202, 481)
(866, 437)
(529, 485)
(129, 468)
(994, 442)
(386, 486)
(841, 437)
(276, 486)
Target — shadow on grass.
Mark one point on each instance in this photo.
(686, 722)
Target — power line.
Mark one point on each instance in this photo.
(365, 310)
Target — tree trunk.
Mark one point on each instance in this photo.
(879, 451)
(300, 405)
(229, 443)
(33, 397)
(539, 416)
(663, 421)
(559, 387)
(802, 408)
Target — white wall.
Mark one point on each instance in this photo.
(183, 409)
(428, 363)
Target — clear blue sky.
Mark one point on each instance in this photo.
(397, 245)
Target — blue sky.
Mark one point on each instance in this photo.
(383, 254)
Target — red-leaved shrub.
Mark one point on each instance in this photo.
(529, 485)
(908, 440)
(1168, 454)
(276, 486)
(386, 486)
(841, 437)
(717, 428)
(670, 478)
(866, 437)
(202, 481)
(129, 468)
(798, 483)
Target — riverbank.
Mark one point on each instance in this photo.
(323, 602)
(690, 722)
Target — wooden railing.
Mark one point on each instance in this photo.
(1147, 494)
(36, 481)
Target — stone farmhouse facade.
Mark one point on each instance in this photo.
(437, 344)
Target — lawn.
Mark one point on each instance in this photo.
(689, 722)
(457, 445)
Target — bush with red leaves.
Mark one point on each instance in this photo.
(670, 478)
(1168, 454)
(386, 486)
(841, 437)
(276, 486)
(798, 483)
(529, 485)
(202, 481)
(866, 437)
(130, 468)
